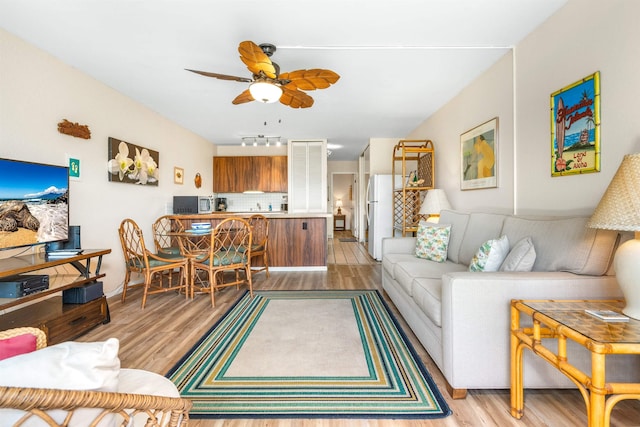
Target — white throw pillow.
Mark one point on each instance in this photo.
(490, 255)
(432, 241)
(69, 365)
(521, 258)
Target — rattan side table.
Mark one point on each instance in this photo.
(564, 320)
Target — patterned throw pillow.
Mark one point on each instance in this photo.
(490, 255)
(432, 241)
(521, 258)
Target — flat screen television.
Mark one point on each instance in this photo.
(34, 203)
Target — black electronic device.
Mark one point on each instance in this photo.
(74, 238)
(23, 284)
(185, 205)
(82, 294)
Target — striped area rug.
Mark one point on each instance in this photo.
(307, 354)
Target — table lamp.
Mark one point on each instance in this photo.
(435, 201)
(339, 206)
(619, 209)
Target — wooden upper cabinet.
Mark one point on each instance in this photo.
(279, 171)
(236, 174)
(229, 174)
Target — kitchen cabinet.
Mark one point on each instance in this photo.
(308, 172)
(278, 176)
(237, 174)
(294, 240)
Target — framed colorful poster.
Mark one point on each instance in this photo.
(478, 148)
(575, 127)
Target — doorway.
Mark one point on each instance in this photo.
(343, 194)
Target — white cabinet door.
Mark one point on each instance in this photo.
(307, 176)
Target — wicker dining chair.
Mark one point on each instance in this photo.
(138, 259)
(165, 243)
(229, 250)
(260, 238)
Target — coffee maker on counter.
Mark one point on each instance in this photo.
(284, 205)
(221, 204)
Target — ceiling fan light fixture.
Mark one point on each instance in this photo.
(265, 92)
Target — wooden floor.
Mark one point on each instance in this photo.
(352, 253)
(155, 338)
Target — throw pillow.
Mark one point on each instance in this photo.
(521, 258)
(432, 241)
(490, 255)
(14, 346)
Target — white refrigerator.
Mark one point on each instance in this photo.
(380, 211)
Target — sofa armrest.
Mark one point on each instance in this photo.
(161, 410)
(398, 245)
(476, 317)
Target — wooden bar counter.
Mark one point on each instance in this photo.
(295, 240)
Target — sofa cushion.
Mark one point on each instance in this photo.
(138, 381)
(427, 295)
(565, 244)
(458, 222)
(406, 271)
(481, 227)
(490, 255)
(521, 257)
(432, 241)
(389, 262)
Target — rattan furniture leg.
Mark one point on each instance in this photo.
(564, 321)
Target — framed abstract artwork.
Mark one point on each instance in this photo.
(478, 155)
(132, 164)
(575, 127)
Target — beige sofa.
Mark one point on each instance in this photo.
(462, 318)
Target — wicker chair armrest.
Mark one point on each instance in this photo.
(161, 410)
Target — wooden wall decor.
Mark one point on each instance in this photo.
(74, 129)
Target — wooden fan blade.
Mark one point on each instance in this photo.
(221, 76)
(295, 99)
(256, 60)
(313, 79)
(243, 98)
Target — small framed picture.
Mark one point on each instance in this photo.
(178, 175)
(478, 155)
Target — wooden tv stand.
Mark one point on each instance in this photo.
(44, 309)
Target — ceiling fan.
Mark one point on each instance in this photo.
(268, 85)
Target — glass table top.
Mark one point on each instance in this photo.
(572, 314)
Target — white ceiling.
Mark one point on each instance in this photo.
(399, 61)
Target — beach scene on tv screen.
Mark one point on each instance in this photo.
(34, 203)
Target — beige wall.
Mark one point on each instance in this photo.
(583, 37)
(381, 153)
(38, 91)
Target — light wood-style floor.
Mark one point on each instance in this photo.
(155, 338)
